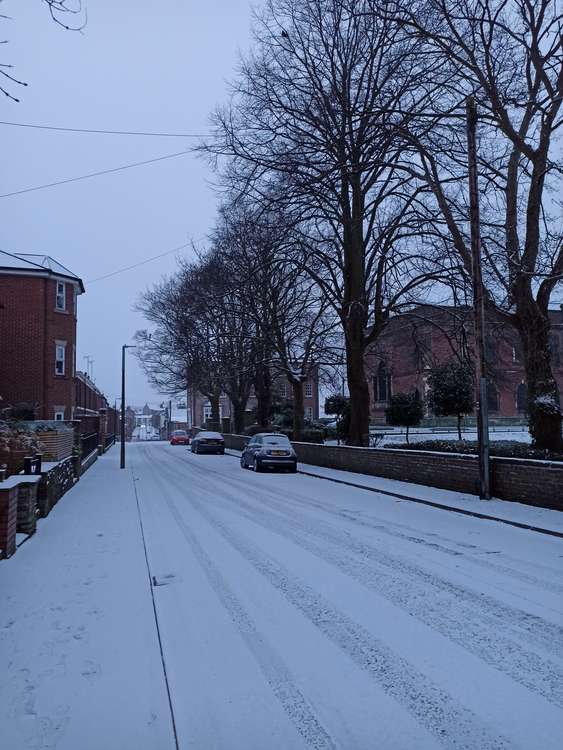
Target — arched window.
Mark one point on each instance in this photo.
(382, 384)
(554, 350)
(522, 397)
(492, 398)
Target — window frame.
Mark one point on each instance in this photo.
(382, 377)
(62, 285)
(60, 345)
(308, 390)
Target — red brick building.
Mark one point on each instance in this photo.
(415, 342)
(38, 307)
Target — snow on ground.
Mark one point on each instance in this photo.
(294, 613)
(518, 434)
(80, 666)
(394, 436)
(510, 511)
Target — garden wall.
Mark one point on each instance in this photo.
(531, 482)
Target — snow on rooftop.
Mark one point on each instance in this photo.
(45, 261)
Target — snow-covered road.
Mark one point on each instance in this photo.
(298, 613)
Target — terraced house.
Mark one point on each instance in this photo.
(38, 314)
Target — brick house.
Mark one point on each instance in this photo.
(199, 407)
(414, 342)
(38, 306)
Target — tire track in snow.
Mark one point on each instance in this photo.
(278, 676)
(411, 534)
(451, 723)
(499, 617)
(459, 626)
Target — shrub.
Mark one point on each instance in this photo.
(404, 410)
(451, 391)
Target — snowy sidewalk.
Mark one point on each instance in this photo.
(80, 666)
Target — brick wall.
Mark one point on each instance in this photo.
(29, 327)
(8, 520)
(537, 483)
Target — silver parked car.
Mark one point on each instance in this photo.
(208, 442)
(269, 450)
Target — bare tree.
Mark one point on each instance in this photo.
(312, 112)
(60, 11)
(293, 326)
(508, 54)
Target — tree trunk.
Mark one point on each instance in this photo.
(263, 388)
(459, 427)
(239, 409)
(298, 410)
(359, 391)
(544, 410)
(355, 309)
(215, 411)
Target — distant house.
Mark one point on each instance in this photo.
(414, 342)
(38, 310)
(199, 406)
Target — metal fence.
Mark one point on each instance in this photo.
(108, 442)
(88, 444)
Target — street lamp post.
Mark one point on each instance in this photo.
(478, 304)
(123, 348)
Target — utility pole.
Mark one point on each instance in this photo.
(122, 456)
(478, 303)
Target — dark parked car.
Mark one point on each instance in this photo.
(208, 442)
(179, 437)
(269, 450)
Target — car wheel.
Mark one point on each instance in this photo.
(242, 464)
(293, 469)
(256, 465)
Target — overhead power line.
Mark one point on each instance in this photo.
(94, 174)
(146, 260)
(95, 131)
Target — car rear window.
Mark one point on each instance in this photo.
(276, 440)
(214, 435)
(180, 433)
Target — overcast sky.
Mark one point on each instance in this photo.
(138, 65)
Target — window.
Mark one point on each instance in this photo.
(308, 390)
(382, 384)
(207, 411)
(517, 354)
(492, 397)
(554, 350)
(522, 397)
(490, 350)
(60, 302)
(59, 413)
(309, 413)
(60, 349)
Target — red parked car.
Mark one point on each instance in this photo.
(179, 437)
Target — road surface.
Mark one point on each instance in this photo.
(298, 613)
(285, 613)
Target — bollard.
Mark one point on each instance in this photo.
(28, 465)
(38, 463)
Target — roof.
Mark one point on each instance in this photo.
(33, 263)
